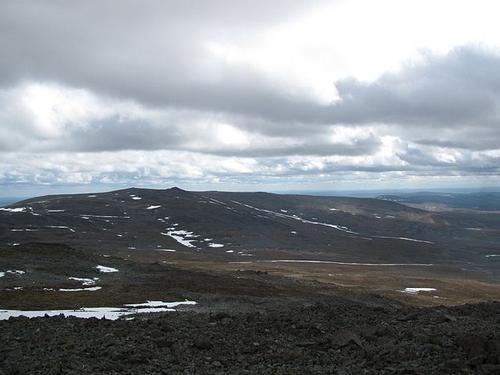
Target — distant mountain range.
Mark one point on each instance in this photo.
(5, 201)
(484, 201)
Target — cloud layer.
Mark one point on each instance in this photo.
(120, 92)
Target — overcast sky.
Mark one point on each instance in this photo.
(248, 95)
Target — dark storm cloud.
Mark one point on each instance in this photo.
(114, 134)
(462, 87)
(474, 138)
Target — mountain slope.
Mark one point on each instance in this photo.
(484, 201)
(237, 225)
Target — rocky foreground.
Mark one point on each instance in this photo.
(326, 336)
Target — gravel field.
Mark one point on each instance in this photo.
(332, 336)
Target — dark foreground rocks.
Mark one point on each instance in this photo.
(324, 337)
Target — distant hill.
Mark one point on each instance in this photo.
(241, 226)
(5, 201)
(484, 201)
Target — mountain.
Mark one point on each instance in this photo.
(254, 278)
(234, 226)
(132, 245)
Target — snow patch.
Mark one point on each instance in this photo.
(60, 227)
(14, 272)
(14, 210)
(86, 216)
(160, 304)
(216, 201)
(111, 313)
(215, 245)
(181, 236)
(104, 269)
(84, 281)
(403, 239)
(91, 289)
(417, 290)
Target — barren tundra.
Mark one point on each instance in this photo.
(215, 282)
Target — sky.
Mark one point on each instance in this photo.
(248, 95)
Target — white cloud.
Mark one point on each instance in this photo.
(361, 39)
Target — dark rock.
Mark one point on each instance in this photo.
(472, 344)
(202, 344)
(356, 340)
(489, 369)
(343, 338)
